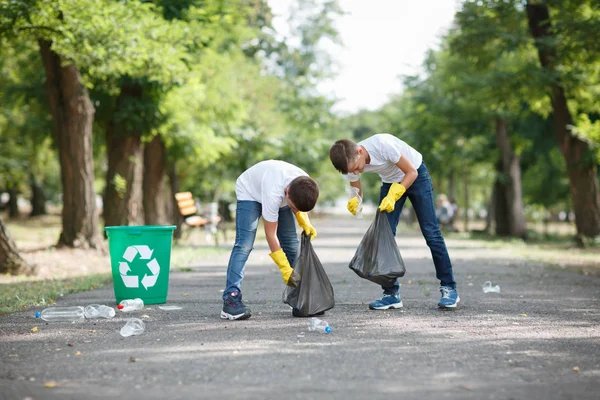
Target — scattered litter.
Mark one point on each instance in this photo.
(98, 311)
(77, 353)
(69, 314)
(488, 288)
(50, 384)
(131, 305)
(523, 315)
(170, 308)
(145, 316)
(318, 325)
(134, 326)
(576, 369)
(34, 329)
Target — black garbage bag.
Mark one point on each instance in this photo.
(314, 293)
(377, 257)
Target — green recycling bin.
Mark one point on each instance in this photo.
(140, 257)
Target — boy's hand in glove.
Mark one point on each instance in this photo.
(353, 205)
(290, 277)
(304, 222)
(389, 202)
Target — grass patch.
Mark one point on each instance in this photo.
(23, 295)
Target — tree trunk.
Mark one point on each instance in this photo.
(154, 182)
(10, 260)
(500, 209)
(38, 198)
(13, 203)
(511, 187)
(73, 115)
(176, 218)
(581, 165)
(123, 192)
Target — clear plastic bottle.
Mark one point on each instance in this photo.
(318, 325)
(98, 311)
(69, 314)
(133, 326)
(353, 192)
(131, 305)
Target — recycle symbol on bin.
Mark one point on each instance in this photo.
(133, 281)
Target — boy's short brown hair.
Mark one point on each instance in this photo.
(342, 153)
(304, 192)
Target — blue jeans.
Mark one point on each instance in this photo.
(420, 194)
(246, 223)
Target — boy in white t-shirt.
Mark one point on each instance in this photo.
(275, 190)
(403, 175)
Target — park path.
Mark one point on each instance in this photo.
(538, 338)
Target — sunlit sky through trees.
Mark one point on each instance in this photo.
(382, 40)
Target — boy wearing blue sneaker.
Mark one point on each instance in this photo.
(403, 176)
(277, 191)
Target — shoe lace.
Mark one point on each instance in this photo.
(234, 301)
(445, 292)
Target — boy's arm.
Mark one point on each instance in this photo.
(271, 235)
(357, 185)
(410, 172)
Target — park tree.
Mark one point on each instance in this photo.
(559, 83)
(10, 260)
(560, 51)
(81, 43)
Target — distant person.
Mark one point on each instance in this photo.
(275, 190)
(444, 211)
(403, 175)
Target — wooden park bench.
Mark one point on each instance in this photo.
(193, 219)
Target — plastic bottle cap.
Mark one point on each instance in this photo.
(37, 314)
(120, 306)
(328, 329)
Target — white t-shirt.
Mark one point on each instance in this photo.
(385, 151)
(265, 183)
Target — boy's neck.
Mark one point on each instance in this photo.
(367, 156)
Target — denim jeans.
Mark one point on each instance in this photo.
(246, 223)
(420, 194)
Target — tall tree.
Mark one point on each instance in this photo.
(580, 160)
(73, 115)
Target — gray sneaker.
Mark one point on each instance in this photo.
(233, 308)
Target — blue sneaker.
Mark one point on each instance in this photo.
(233, 308)
(386, 302)
(449, 297)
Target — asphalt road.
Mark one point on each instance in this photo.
(539, 338)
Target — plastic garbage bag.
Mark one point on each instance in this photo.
(377, 257)
(314, 293)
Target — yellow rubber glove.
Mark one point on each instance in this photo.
(290, 277)
(304, 222)
(389, 202)
(352, 205)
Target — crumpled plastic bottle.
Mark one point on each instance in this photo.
(353, 192)
(318, 325)
(131, 305)
(133, 326)
(488, 288)
(98, 311)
